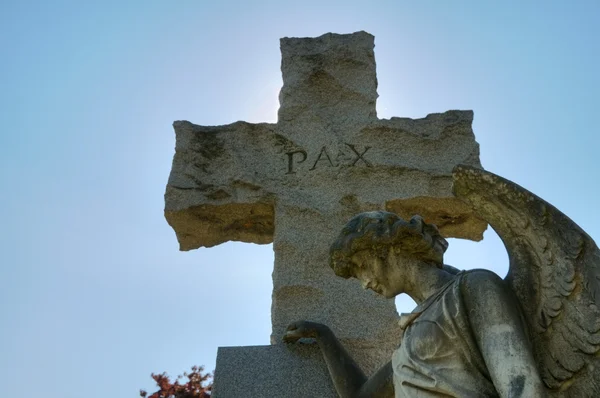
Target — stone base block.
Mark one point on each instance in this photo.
(275, 371)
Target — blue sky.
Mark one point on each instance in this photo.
(96, 295)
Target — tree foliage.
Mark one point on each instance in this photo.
(198, 385)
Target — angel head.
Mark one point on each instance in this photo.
(378, 247)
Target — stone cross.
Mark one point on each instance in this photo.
(296, 183)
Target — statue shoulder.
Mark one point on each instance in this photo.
(483, 284)
(479, 275)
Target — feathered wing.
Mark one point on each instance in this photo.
(555, 273)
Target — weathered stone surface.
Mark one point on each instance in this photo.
(295, 183)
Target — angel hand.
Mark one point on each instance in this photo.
(303, 329)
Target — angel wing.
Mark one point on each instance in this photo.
(554, 272)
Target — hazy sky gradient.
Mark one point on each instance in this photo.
(96, 295)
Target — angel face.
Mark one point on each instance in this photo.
(376, 274)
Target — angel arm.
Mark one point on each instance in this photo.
(348, 379)
(501, 336)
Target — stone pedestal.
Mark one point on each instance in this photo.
(275, 371)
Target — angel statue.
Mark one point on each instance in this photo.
(535, 333)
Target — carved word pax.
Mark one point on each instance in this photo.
(326, 159)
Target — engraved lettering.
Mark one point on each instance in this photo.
(342, 157)
(323, 151)
(290, 156)
(359, 156)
